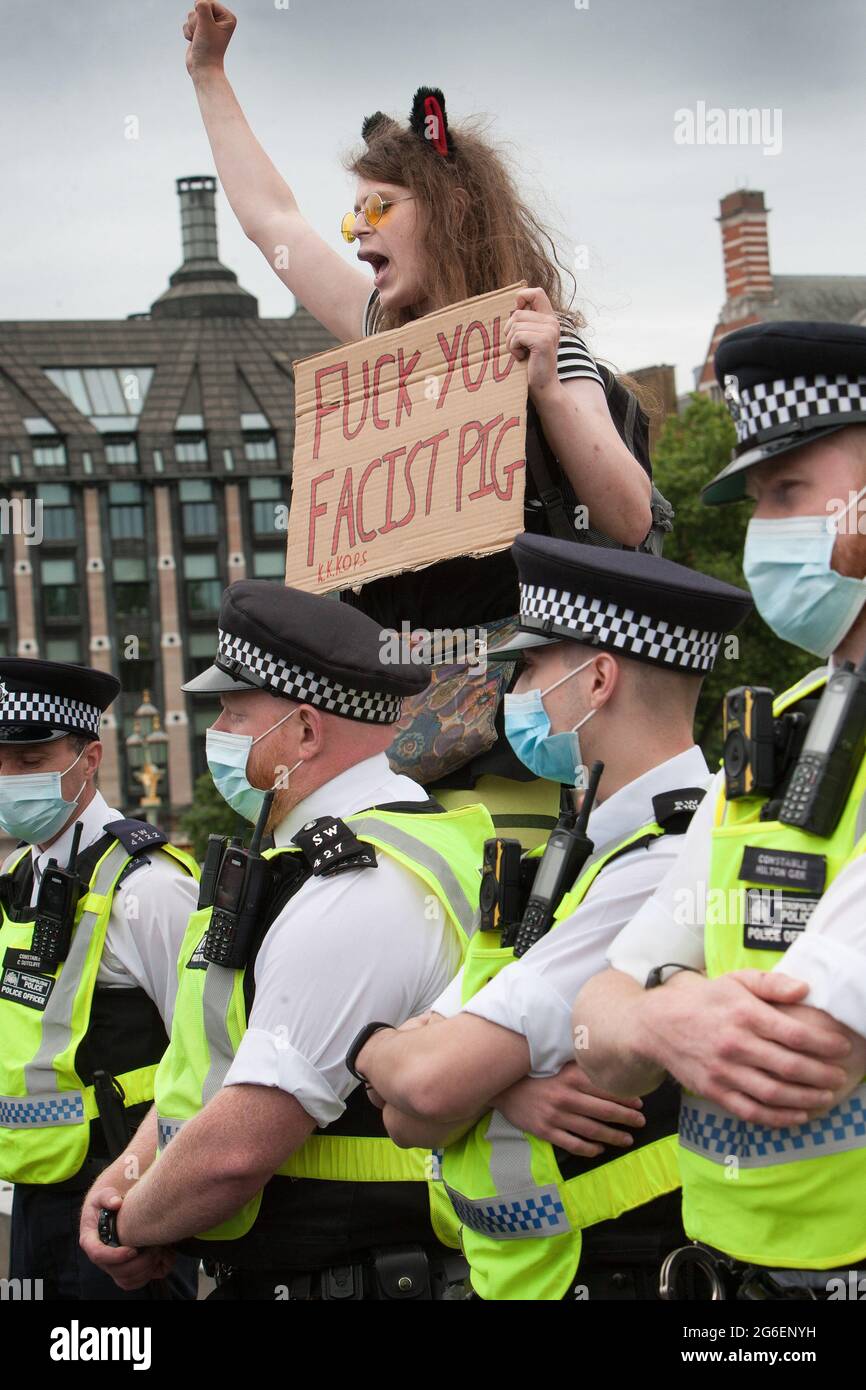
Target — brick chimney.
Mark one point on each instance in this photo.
(745, 246)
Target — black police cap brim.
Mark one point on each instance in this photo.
(523, 641)
(28, 735)
(215, 681)
(730, 484)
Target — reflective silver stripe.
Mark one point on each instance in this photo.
(510, 1155)
(417, 849)
(42, 1112)
(716, 1134)
(39, 1073)
(521, 1210)
(166, 1129)
(218, 986)
(527, 1215)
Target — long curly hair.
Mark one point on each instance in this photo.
(477, 233)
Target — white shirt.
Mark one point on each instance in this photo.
(830, 955)
(149, 912)
(364, 944)
(534, 995)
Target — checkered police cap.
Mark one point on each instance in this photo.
(43, 700)
(786, 384)
(241, 658)
(308, 648)
(635, 605)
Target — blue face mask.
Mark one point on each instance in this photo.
(227, 756)
(32, 807)
(556, 757)
(787, 567)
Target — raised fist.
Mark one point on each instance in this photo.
(208, 28)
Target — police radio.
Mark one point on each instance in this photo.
(240, 886)
(55, 908)
(831, 755)
(564, 856)
(759, 746)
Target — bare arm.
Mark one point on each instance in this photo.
(607, 478)
(725, 1039)
(445, 1071)
(264, 204)
(219, 1160)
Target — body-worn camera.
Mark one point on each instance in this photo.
(759, 747)
(501, 897)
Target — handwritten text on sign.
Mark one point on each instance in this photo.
(409, 448)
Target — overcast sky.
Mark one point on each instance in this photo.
(586, 97)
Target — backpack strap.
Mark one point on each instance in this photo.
(544, 467)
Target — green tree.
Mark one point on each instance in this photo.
(692, 448)
(209, 815)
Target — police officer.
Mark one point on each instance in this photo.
(615, 648)
(757, 933)
(273, 1164)
(88, 970)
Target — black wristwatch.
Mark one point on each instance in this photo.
(106, 1226)
(360, 1041)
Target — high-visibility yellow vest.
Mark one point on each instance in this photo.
(792, 1197)
(522, 1218)
(445, 850)
(48, 1020)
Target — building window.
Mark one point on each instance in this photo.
(110, 397)
(267, 505)
(121, 451)
(63, 649)
(199, 512)
(200, 651)
(203, 587)
(131, 588)
(125, 512)
(58, 514)
(50, 455)
(260, 446)
(60, 589)
(126, 523)
(191, 448)
(269, 564)
(4, 604)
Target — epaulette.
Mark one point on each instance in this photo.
(329, 847)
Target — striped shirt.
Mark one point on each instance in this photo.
(573, 358)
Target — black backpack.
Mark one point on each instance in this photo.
(555, 492)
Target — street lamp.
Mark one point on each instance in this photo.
(147, 754)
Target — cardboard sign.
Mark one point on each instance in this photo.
(409, 448)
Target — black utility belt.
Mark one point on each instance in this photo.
(395, 1273)
(699, 1271)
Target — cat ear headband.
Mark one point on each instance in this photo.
(427, 120)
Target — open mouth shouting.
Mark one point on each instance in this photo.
(381, 265)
